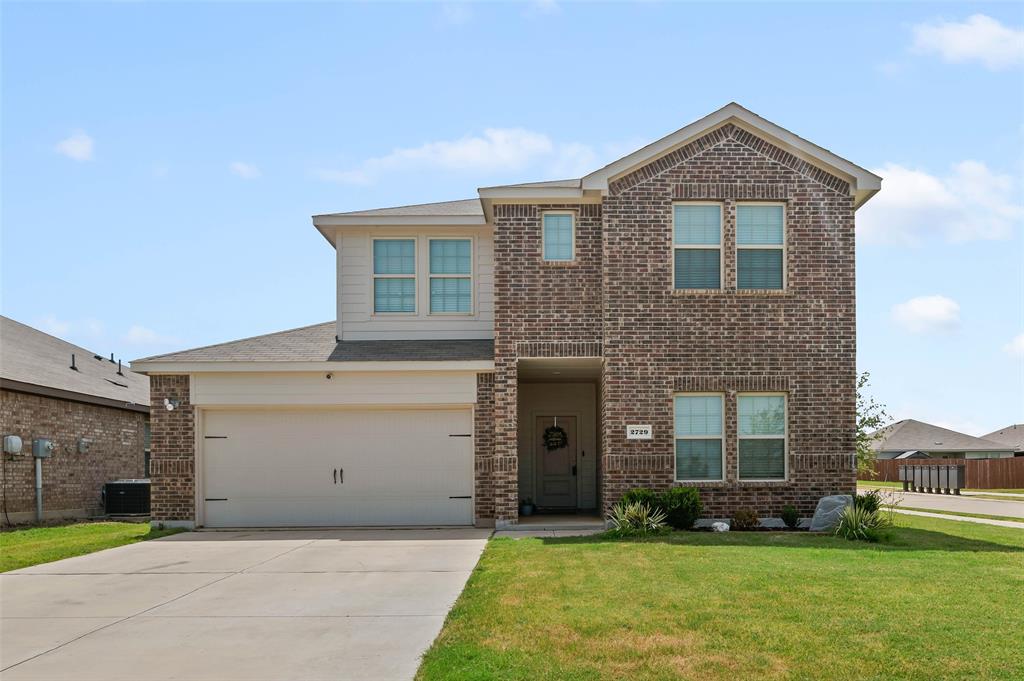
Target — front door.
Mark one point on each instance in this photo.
(555, 463)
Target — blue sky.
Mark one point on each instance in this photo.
(161, 161)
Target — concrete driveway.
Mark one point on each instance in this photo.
(252, 605)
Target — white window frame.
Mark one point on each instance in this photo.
(700, 247)
(785, 436)
(784, 247)
(471, 276)
(675, 458)
(543, 241)
(414, 276)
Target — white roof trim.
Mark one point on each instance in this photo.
(370, 220)
(863, 183)
(164, 367)
(530, 192)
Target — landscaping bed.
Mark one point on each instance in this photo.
(742, 605)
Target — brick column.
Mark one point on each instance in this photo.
(172, 458)
(505, 470)
(483, 454)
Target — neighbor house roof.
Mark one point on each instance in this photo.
(1010, 436)
(36, 362)
(460, 207)
(909, 434)
(317, 343)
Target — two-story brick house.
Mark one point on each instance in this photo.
(684, 315)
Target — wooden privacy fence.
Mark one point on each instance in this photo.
(981, 473)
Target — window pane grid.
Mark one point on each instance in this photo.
(394, 256)
(699, 268)
(558, 237)
(394, 294)
(698, 431)
(759, 225)
(761, 427)
(450, 256)
(451, 294)
(697, 225)
(759, 268)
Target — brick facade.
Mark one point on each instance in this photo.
(539, 307)
(656, 341)
(72, 482)
(172, 463)
(483, 441)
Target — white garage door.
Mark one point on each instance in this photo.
(337, 468)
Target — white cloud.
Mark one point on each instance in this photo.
(79, 146)
(496, 150)
(456, 13)
(246, 171)
(971, 202)
(141, 335)
(53, 326)
(1015, 347)
(927, 314)
(981, 38)
(543, 7)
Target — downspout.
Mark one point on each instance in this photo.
(39, 489)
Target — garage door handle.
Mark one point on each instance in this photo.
(341, 475)
(335, 476)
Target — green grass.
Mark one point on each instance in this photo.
(966, 515)
(22, 548)
(940, 600)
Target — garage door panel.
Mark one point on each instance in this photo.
(276, 468)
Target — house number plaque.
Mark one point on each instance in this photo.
(639, 433)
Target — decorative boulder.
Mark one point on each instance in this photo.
(719, 527)
(826, 516)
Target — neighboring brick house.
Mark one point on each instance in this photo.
(684, 315)
(97, 415)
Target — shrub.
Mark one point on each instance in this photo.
(790, 516)
(682, 506)
(744, 519)
(642, 495)
(861, 523)
(869, 501)
(636, 519)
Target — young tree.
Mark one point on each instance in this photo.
(870, 417)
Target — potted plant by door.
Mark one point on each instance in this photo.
(526, 507)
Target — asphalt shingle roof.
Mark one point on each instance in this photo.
(30, 356)
(317, 344)
(911, 434)
(1010, 436)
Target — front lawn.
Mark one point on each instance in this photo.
(941, 600)
(22, 548)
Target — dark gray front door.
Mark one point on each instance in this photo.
(556, 468)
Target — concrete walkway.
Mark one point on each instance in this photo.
(961, 504)
(966, 519)
(220, 606)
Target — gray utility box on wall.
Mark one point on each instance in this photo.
(933, 478)
(42, 448)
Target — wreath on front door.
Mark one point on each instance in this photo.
(555, 437)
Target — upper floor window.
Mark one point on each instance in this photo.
(698, 431)
(451, 283)
(559, 237)
(760, 246)
(394, 275)
(697, 245)
(762, 436)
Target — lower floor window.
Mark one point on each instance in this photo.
(762, 436)
(698, 432)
